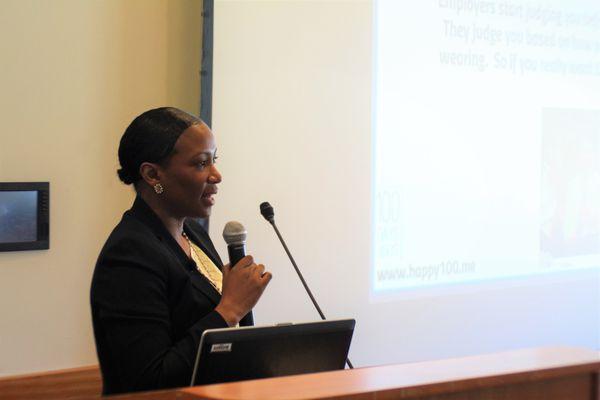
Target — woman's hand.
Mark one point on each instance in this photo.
(242, 287)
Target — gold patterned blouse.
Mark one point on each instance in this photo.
(205, 266)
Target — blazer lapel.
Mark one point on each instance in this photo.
(144, 213)
(201, 283)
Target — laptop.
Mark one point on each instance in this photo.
(237, 354)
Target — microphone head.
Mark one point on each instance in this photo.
(267, 211)
(234, 233)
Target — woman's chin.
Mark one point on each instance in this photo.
(203, 212)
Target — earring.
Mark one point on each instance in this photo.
(158, 188)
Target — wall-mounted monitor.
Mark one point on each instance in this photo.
(24, 216)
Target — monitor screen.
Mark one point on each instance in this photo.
(18, 216)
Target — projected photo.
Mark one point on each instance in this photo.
(18, 216)
(570, 191)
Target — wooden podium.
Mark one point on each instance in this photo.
(539, 374)
(558, 373)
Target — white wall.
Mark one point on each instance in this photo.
(74, 74)
(292, 103)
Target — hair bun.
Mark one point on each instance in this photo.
(125, 177)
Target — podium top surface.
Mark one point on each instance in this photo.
(413, 379)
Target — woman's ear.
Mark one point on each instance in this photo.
(150, 173)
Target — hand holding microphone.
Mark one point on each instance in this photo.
(245, 282)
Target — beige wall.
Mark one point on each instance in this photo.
(74, 73)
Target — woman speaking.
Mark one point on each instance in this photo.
(159, 282)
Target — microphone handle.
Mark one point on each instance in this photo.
(236, 251)
(312, 298)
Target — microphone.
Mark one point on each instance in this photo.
(269, 214)
(235, 234)
(267, 211)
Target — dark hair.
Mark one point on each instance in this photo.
(151, 137)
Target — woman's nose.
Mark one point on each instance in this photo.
(215, 175)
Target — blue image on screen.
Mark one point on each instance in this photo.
(18, 216)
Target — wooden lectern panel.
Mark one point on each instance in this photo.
(73, 383)
(537, 374)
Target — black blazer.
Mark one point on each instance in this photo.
(150, 304)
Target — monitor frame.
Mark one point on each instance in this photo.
(223, 340)
(42, 241)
